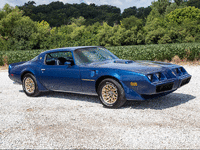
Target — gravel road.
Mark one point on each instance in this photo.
(63, 120)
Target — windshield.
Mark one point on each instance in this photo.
(93, 54)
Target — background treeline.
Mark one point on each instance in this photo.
(167, 22)
(58, 13)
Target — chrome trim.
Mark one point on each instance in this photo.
(94, 94)
(87, 80)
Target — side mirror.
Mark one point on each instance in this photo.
(67, 63)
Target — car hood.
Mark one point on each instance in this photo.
(139, 66)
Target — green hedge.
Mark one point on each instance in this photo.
(189, 51)
(18, 56)
(1, 58)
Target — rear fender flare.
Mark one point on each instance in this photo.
(40, 86)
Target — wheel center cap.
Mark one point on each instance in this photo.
(111, 93)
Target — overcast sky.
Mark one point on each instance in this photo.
(122, 4)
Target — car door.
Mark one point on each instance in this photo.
(57, 77)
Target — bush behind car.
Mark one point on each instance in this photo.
(186, 51)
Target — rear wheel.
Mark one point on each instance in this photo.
(111, 93)
(30, 85)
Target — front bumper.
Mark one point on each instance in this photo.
(152, 90)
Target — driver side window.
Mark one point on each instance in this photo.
(59, 58)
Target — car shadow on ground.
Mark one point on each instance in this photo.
(70, 96)
(171, 100)
(164, 102)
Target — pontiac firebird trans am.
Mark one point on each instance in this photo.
(93, 70)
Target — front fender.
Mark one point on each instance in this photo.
(124, 78)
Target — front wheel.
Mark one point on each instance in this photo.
(30, 85)
(111, 93)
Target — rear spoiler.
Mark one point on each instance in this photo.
(18, 63)
(13, 65)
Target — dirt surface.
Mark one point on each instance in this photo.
(3, 68)
(63, 120)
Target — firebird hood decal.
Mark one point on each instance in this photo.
(143, 67)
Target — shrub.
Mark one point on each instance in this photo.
(189, 51)
(162, 52)
(18, 56)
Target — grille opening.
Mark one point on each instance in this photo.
(183, 70)
(185, 81)
(178, 71)
(164, 87)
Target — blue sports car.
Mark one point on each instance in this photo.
(93, 70)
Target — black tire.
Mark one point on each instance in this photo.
(111, 93)
(29, 85)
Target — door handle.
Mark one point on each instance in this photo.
(43, 69)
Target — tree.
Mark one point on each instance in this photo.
(147, 11)
(140, 13)
(179, 2)
(131, 11)
(79, 21)
(195, 3)
(40, 39)
(185, 14)
(104, 34)
(130, 22)
(28, 8)
(155, 27)
(171, 8)
(16, 29)
(5, 11)
(58, 13)
(186, 21)
(160, 5)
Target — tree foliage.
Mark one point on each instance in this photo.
(195, 3)
(58, 13)
(172, 23)
(160, 6)
(140, 13)
(16, 30)
(186, 14)
(166, 23)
